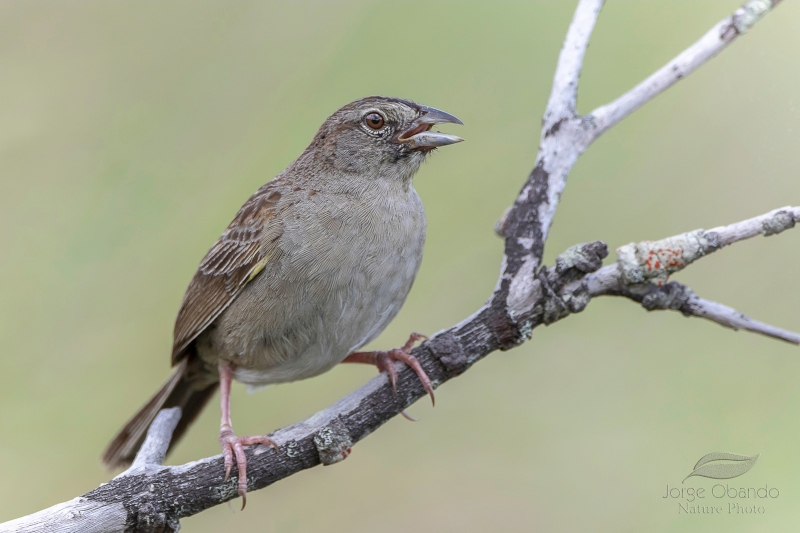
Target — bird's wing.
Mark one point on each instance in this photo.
(237, 257)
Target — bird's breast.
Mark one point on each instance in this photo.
(342, 270)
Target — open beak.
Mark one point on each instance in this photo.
(419, 136)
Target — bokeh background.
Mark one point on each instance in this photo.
(131, 132)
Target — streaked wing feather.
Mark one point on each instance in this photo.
(226, 268)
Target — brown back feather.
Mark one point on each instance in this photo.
(235, 259)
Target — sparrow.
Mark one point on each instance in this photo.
(313, 267)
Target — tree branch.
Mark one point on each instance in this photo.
(608, 281)
(565, 135)
(678, 297)
(564, 94)
(642, 269)
(528, 222)
(149, 497)
(156, 444)
(656, 260)
(709, 45)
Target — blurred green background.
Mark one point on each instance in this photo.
(131, 132)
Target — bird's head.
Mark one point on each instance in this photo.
(376, 135)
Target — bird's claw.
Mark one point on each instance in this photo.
(233, 446)
(385, 362)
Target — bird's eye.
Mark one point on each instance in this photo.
(374, 121)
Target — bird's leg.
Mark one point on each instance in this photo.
(385, 360)
(231, 444)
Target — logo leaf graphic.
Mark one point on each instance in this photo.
(740, 465)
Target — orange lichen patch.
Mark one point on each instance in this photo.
(656, 260)
(668, 259)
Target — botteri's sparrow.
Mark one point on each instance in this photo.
(313, 267)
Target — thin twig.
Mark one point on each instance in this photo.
(642, 270)
(656, 260)
(564, 94)
(608, 281)
(709, 45)
(158, 438)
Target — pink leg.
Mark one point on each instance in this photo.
(231, 444)
(385, 362)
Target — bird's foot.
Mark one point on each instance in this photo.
(385, 360)
(233, 446)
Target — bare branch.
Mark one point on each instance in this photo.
(564, 95)
(527, 224)
(608, 281)
(731, 318)
(158, 438)
(712, 43)
(78, 515)
(656, 260)
(565, 135)
(642, 269)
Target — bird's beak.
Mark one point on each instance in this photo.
(419, 136)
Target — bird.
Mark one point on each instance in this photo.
(314, 265)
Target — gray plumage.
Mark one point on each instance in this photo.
(313, 266)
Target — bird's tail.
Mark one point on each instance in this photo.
(178, 391)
